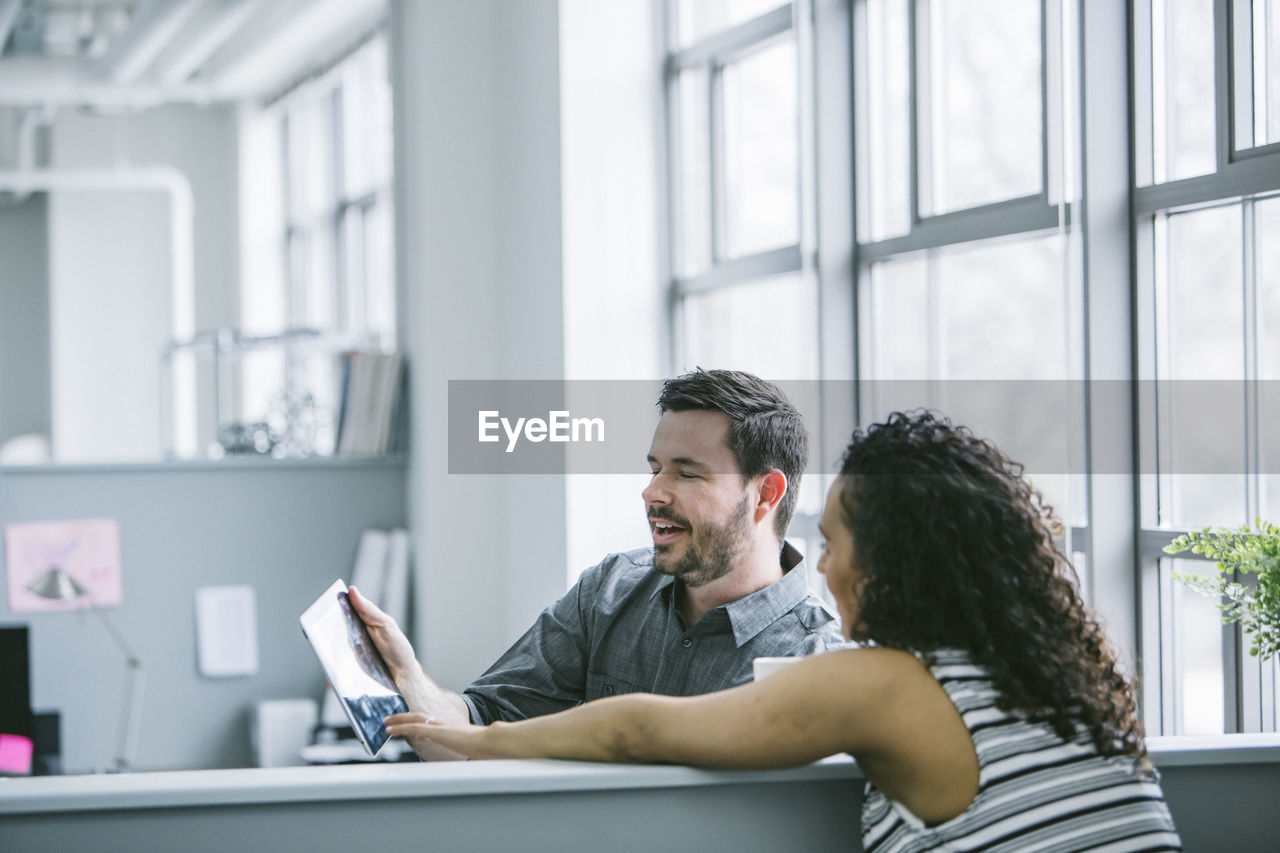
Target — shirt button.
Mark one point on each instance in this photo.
(608, 689)
(687, 643)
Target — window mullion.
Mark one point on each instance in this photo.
(917, 124)
(1051, 101)
(1222, 82)
(715, 160)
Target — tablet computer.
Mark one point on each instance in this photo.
(351, 661)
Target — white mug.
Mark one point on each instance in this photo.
(761, 667)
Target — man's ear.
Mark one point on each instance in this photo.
(773, 487)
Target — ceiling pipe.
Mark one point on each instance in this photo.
(53, 82)
(209, 30)
(26, 125)
(154, 25)
(286, 47)
(182, 260)
(8, 17)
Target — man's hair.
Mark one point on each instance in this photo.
(765, 430)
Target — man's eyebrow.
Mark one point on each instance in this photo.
(682, 461)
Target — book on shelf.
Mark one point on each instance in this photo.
(372, 390)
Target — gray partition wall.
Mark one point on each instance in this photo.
(287, 529)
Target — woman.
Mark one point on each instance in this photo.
(986, 709)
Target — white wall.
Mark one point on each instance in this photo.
(528, 161)
(478, 258)
(615, 295)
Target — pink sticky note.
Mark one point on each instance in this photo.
(15, 754)
(89, 551)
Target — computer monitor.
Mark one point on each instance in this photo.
(15, 701)
(15, 685)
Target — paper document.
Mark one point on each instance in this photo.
(226, 631)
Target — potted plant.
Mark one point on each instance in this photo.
(1247, 551)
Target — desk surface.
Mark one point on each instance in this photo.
(451, 779)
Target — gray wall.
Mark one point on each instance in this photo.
(24, 318)
(287, 529)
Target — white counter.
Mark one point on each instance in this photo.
(1221, 791)
(375, 782)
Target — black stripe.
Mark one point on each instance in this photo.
(889, 833)
(1066, 816)
(1050, 765)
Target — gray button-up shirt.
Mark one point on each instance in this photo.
(619, 631)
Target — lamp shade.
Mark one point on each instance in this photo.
(57, 585)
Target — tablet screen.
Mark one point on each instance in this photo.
(351, 661)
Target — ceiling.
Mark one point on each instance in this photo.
(133, 54)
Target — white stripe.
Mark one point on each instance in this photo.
(1079, 834)
(1040, 814)
(1014, 763)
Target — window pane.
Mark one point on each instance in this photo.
(728, 328)
(693, 173)
(698, 18)
(993, 311)
(1258, 77)
(761, 151)
(1267, 254)
(1004, 310)
(309, 155)
(1182, 82)
(886, 167)
(380, 285)
(1268, 70)
(897, 343)
(366, 121)
(984, 105)
(1200, 336)
(1196, 653)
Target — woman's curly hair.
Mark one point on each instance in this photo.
(956, 549)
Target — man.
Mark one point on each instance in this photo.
(690, 614)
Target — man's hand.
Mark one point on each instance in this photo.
(422, 695)
(394, 646)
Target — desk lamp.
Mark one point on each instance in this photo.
(56, 584)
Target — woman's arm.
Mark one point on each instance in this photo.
(845, 701)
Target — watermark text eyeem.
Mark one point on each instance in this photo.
(557, 427)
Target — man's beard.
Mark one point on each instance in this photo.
(710, 552)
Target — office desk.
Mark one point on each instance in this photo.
(1222, 792)
(476, 806)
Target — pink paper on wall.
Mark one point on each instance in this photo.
(89, 550)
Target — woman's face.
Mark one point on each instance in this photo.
(844, 579)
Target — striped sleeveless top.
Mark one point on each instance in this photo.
(1035, 790)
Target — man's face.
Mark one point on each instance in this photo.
(700, 511)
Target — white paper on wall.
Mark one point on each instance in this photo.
(226, 631)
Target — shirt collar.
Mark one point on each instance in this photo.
(750, 615)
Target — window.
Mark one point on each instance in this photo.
(989, 253)
(1204, 206)
(744, 290)
(739, 160)
(967, 256)
(319, 237)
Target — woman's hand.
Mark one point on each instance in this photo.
(467, 740)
